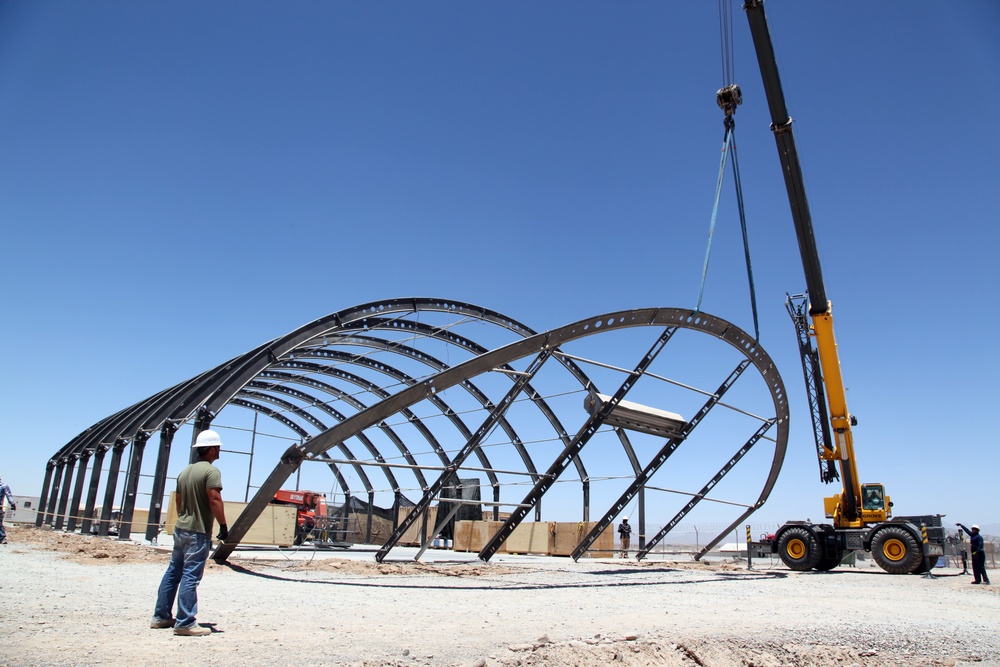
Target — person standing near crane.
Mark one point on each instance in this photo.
(5, 495)
(976, 546)
(625, 535)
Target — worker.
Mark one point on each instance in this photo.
(199, 501)
(5, 495)
(976, 546)
(625, 534)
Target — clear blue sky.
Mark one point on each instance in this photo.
(180, 182)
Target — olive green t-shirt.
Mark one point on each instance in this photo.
(192, 487)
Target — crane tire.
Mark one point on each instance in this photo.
(827, 563)
(896, 550)
(930, 564)
(798, 548)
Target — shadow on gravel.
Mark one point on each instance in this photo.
(876, 573)
(506, 586)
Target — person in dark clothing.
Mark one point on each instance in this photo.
(977, 547)
(5, 494)
(625, 533)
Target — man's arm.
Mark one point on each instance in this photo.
(215, 504)
(219, 512)
(967, 531)
(10, 498)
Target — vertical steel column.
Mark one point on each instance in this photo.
(40, 514)
(253, 441)
(160, 480)
(586, 500)
(132, 485)
(202, 422)
(110, 487)
(95, 480)
(64, 492)
(496, 501)
(395, 510)
(50, 512)
(74, 508)
(642, 516)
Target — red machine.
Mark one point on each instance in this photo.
(311, 517)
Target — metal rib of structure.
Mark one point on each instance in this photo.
(399, 399)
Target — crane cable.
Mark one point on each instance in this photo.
(728, 98)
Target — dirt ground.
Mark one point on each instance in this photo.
(63, 592)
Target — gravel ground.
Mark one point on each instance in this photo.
(73, 600)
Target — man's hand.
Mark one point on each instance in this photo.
(13, 508)
(223, 532)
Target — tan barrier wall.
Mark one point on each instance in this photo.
(275, 525)
(411, 537)
(569, 535)
(547, 538)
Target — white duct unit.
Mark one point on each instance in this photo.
(636, 417)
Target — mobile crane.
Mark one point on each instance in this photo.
(861, 513)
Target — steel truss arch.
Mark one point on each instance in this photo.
(298, 372)
(531, 345)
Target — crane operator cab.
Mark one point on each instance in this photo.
(874, 500)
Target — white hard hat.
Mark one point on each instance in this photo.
(207, 439)
(975, 528)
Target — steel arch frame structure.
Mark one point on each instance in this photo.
(292, 378)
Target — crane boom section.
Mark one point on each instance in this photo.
(845, 509)
(781, 125)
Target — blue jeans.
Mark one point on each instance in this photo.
(187, 565)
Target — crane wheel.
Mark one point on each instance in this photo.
(827, 563)
(896, 550)
(799, 549)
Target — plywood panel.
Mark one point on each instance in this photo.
(412, 535)
(140, 520)
(531, 537)
(473, 535)
(275, 525)
(569, 534)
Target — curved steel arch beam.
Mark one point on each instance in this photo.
(285, 406)
(250, 364)
(351, 400)
(438, 365)
(446, 335)
(664, 317)
(183, 395)
(411, 418)
(315, 402)
(104, 431)
(282, 419)
(439, 403)
(305, 416)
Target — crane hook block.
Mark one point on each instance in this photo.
(729, 98)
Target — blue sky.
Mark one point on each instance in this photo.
(181, 182)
